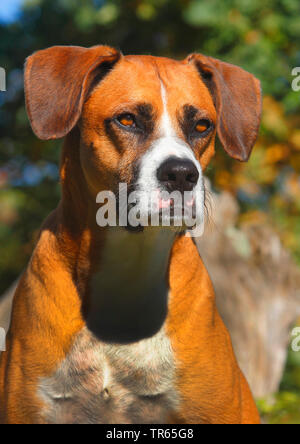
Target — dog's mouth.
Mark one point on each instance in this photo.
(167, 215)
(136, 210)
(169, 210)
(160, 211)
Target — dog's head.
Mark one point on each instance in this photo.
(145, 121)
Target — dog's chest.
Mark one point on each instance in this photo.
(99, 383)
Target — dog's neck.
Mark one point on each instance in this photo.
(121, 275)
(129, 292)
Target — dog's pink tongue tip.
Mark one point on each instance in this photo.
(191, 202)
(164, 203)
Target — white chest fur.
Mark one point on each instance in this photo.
(99, 383)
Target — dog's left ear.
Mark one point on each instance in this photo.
(58, 81)
(237, 97)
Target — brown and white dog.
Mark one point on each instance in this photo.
(112, 325)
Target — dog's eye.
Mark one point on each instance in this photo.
(127, 120)
(202, 126)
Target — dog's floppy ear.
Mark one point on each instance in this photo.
(237, 97)
(58, 80)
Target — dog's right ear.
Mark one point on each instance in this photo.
(58, 81)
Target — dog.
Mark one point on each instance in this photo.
(119, 324)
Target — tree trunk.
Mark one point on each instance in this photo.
(258, 292)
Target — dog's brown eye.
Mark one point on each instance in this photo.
(202, 126)
(127, 120)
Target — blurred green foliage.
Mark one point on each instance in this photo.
(284, 407)
(262, 37)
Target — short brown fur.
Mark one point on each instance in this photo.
(64, 98)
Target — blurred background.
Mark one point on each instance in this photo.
(263, 38)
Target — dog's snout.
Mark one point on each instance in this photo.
(178, 174)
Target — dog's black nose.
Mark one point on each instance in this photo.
(178, 174)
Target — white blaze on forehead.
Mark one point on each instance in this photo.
(166, 127)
